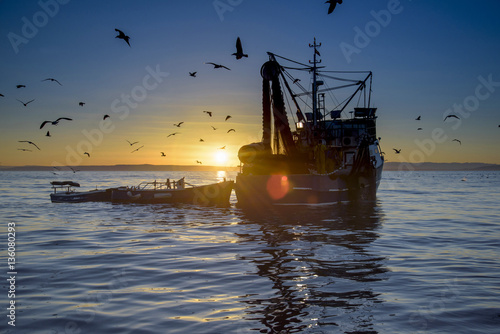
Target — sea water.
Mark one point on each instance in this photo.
(422, 258)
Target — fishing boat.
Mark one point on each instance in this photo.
(331, 155)
(64, 192)
(215, 194)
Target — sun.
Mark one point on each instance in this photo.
(220, 157)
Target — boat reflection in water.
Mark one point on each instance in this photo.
(321, 266)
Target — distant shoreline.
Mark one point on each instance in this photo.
(389, 166)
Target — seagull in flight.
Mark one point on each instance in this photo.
(219, 66)
(295, 81)
(24, 149)
(451, 116)
(52, 79)
(173, 134)
(222, 148)
(121, 35)
(105, 116)
(227, 117)
(208, 112)
(25, 104)
(29, 142)
(20, 86)
(397, 151)
(178, 124)
(163, 154)
(47, 134)
(81, 104)
(193, 74)
(457, 141)
(55, 122)
(231, 130)
(132, 143)
(87, 153)
(333, 4)
(239, 50)
(213, 127)
(418, 118)
(137, 149)
(201, 140)
(198, 162)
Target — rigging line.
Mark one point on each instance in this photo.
(346, 71)
(326, 90)
(330, 93)
(288, 103)
(339, 79)
(293, 61)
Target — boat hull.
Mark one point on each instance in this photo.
(305, 189)
(78, 197)
(216, 194)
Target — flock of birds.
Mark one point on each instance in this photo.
(419, 118)
(239, 54)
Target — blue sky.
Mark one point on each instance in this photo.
(426, 56)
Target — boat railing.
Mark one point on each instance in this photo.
(158, 185)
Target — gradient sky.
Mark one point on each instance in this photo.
(429, 58)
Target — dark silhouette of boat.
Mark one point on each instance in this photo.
(214, 194)
(328, 157)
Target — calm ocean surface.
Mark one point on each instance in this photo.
(423, 258)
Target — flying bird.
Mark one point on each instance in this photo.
(137, 149)
(419, 129)
(295, 81)
(219, 66)
(198, 162)
(121, 35)
(239, 50)
(227, 117)
(450, 116)
(201, 140)
(25, 104)
(213, 127)
(210, 113)
(231, 130)
(55, 122)
(24, 149)
(131, 143)
(52, 79)
(173, 134)
(29, 142)
(397, 151)
(163, 154)
(87, 153)
(105, 116)
(193, 74)
(47, 134)
(20, 86)
(1, 95)
(418, 118)
(457, 141)
(81, 104)
(222, 148)
(178, 124)
(333, 4)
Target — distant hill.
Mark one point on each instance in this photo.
(434, 166)
(132, 168)
(389, 166)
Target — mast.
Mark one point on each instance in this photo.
(314, 87)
